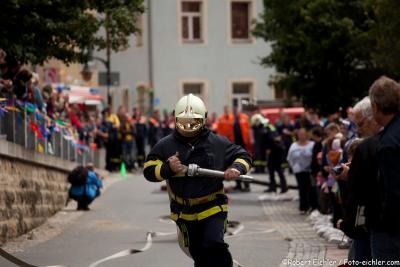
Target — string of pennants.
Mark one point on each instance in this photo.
(45, 126)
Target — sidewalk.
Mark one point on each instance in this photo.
(306, 248)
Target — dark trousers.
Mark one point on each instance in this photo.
(385, 247)
(361, 248)
(127, 148)
(278, 169)
(108, 157)
(115, 154)
(83, 202)
(260, 158)
(205, 239)
(314, 193)
(140, 145)
(304, 183)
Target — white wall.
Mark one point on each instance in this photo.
(217, 61)
(132, 64)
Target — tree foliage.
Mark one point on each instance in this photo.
(323, 50)
(36, 30)
(387, 33)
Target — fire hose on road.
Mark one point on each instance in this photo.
(192, 170)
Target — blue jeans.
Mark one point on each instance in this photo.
(384, 247)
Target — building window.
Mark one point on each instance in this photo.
(241, 94)
(191, 21)
(240, 21)
(196, 89)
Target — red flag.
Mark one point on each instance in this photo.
(36, 130)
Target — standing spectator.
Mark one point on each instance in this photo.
(74, 116)
(385, 100)
(91, 127)
(103, 136)
(299, 158)
(101, 132)
(348, 130)
(304, 121)
(141, 133)
(336, 189)
(275, 148)
(286, 129)
(62, 100)
(211, 122)
(331, 130)
(362, 183)
(113, 146)
(316, 135)
(83, 132)
(166, 127)
(260, 132)
(241, 134)
(128, 141)
(225, 125)
(36, 91)
(154, 129)
(22, 87)
(51, 104)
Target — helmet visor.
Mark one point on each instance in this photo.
(188, 126)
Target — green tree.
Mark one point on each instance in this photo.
(387, 32)
(321, 49)
(36, 30)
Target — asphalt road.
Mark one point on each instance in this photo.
(121, 217)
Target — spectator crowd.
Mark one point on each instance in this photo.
(346, 164)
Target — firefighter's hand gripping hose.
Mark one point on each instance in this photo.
(194, 170)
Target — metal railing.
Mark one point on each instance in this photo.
(15, 127)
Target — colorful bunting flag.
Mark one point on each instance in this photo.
(36, 130)
(93, 146)
(40, 148)
(47, 124)
(3, 112)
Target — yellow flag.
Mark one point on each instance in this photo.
(40, 148)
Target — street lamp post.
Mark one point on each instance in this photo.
(88, 73)
(107, 65)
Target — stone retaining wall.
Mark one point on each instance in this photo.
(32, 188)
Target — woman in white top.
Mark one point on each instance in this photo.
(299, 158)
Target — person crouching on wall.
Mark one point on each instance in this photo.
(85, 186)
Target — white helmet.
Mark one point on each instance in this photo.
(190, 115)
(259, 119)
